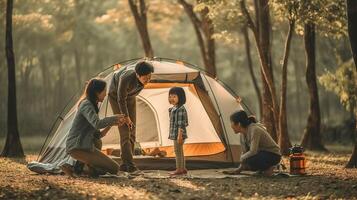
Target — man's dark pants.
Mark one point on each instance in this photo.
(127, 137)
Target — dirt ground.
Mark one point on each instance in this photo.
(326, 179)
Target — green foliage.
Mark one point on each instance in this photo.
(343, 83)
(329, 16)
(290, 10)
(227, 18)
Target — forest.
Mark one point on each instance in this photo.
(292, 63)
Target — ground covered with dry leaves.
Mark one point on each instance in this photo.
(326, 179)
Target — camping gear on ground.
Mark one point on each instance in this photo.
(155, 152)
(297, 160)
(107, 151)
(211, 143)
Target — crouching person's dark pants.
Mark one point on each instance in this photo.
(262, 161)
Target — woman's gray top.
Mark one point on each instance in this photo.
(85, 125)
(257, 139)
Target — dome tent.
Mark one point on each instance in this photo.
(211, 143)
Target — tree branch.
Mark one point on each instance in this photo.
(196, 25)
(189, 10)
(250, 22)
(143, 11)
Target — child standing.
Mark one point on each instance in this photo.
(178, 124)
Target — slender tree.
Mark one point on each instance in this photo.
(250, 66)
(329, 22)
(352, 27)
(204, 30)
(261, 32)
(13, 147)
(312, 138)
(285, 11)
(352, 32)
(284, 141)
(139, 11)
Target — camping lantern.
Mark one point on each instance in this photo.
(297, 160)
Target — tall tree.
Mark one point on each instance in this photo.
(285, 11)
(250, 66)
(261, 31)
(139, 11)
(204, 31)
(13, 147)
(284, 141)
(352, 32)
(312, 138)
(232, 15)
(352, 27)
(330, 22)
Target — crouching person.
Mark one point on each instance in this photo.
(259, 151)
(83, 134)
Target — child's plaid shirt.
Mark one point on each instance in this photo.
(178, 119)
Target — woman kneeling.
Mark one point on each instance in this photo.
(259, 151)
(83, 135)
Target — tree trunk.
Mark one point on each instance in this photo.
(262, 40)
(352, 27)
(311, 138)
(257, 14)
(141, 25)
(284, 141)
(352, 163)
(204, 32)
(250, 66)
(208, 31)
(270, 106)
(13, 147)
(352, 32)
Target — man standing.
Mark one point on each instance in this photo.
(126, 84)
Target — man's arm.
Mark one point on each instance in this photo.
(122, 93)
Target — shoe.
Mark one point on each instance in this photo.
(133, 169)
(184, 171)
(78, 167)
(95, 173)
(269, 172)
(178, 173)
(231, 172)
(123, 168)
(68, 170)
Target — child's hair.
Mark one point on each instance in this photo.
(144, 68)
(93, 87)
(180, 94)
(242, 118)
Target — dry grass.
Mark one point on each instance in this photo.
(327, 179)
